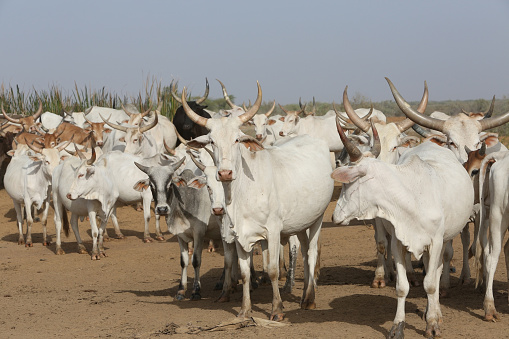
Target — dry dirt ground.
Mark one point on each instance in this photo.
(129, 294)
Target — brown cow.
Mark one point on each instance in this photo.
(27, 123)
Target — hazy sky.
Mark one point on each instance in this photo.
(293, 48)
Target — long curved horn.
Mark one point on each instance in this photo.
(168, 149)
(284, 110)
(80, 153)
(493, 122)
(348, 125)
(90, 122)
(211, 155)
(407, 123)
(196, 118)
(173, 92)
(65, 144)
(271, 110)
(91, 161)
(16, 121)
(196, 162)
(145, 113)
(354, 153)
(39, 110)
(421, 131)
(33, 147)
(416, 117)
(489, 112)
(88, 110)
(206, 94)
(159, 105)
(377, 146)
(126, 111)
(226, 96)
(362, 124)
(112, 125)
(178, 163)
(245, 117)
(182, 140)
(151, 125)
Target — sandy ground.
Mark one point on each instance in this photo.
(129, 294)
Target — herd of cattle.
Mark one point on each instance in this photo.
(211, 180)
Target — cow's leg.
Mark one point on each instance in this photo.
(245, 271)
(433, 264)
(30, 222)
(76, 231)
(57, 219)
(19, 220)
(184, 262)
(294, 244)
(465, 269)
(212, 246)
(96, 255)
(190, 247)
(254, 283)
(381, 245)
(498, 226)
(402, 287)
(274, 243)
(309, 257)
(506, 254)
(410, 270)
(146, 219)
(264, 277)
(230, 259)
(283, 272)
(196, 260)
(445, 279)
(114, 220)
(44, 220)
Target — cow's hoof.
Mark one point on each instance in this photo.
(211, 249)
(95, 256)
(223, 298)
(46, 243)
(396, 331)
(195, 296)
(378, 283)
(433, 331)
(160, 238)
(179, 297)
(102, 254)
(21, 241)
(148, 240)
(308, 305)
(492, 316)
(244, 314)
(82, 251)
(277, 317)
(119, 236)
(29, 244)
(60, 251)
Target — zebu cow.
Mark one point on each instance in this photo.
(70, 193)
(27, 180)
(392, 138)
(27, 123)
(185, 126)
(460, 132)
(272, 192)
(427, 175)
(188, 214)
(494, 183)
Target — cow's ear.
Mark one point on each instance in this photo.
(271, 122)
(107, 130)
(199, 142)
(251, 143)
(90, 170)
(34, 158)
(141, 185)
(282, 119)
(11, 153)
(121, 139)
(197, 182)
(249, 123)
(348, 174)
(179, 181)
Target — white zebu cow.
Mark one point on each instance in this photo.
(67, 182)
(27, 180)
(427, 175)
(392, 139)
(187, 211)
(491, 236)
(461, 132)
(273, 192)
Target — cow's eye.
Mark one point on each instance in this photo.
(80, 175)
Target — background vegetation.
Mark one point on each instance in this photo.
(79, 99)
